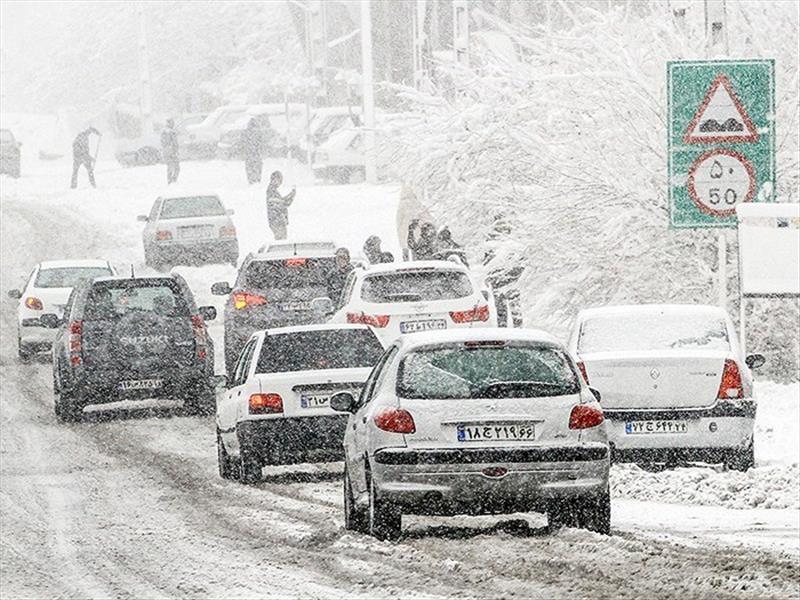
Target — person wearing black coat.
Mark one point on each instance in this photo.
(82, 156)
(169, 151)
(253, 149)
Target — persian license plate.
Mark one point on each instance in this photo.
(198, 232)
(502, 432)
(655, 427)
(297, 305)
(141, 384)
(428, 325)
(313, 400)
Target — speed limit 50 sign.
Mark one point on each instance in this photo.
(721, 139)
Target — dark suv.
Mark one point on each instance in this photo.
(128, 338)
(284, 284)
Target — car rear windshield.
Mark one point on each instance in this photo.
(486, 370)
(294, 273)
(191, 206)
(652, 331)
(66, 277)
(111, 300)
(414, 286)
(317, 350)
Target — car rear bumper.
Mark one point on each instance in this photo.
(104, 386)
(466, 481)
(206, 250)
(286, 441)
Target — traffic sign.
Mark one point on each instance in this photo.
(721, 140)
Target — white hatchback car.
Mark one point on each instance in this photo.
(409, 297)
(674, 382)
(276, 410)
(487, 421)
(47, 291)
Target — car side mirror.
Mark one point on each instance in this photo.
(50, 320)
(754, 361)
(595, 393)
(221, 288)
(343, 402)
(322, 305)
(229, 212)
(15, 294)
(142, 218)
(209, 313)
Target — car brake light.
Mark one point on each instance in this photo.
(295, 262)
(731, 384)
(75, 342)
(265, 404)
(242, 300)
(199, 330)
(373, 320)
(227, 231)
(582, 369)
(479, 313)
(163, 235)
(395, 420)
(584, 416)
(33, 303)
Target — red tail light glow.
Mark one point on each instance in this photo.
(479, 313)
(395, 420)
(373, 320)
(227, 231)
(265, 404)
(75, 342)
(731, 384)
(33, 303)
(582, 369)
(295, 262)
(199, 330)
(584, 416)
(242, 300)
(163, 235)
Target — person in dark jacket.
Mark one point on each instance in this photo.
(82, 156)
(169, 151)
(373, 252)
(338, 276)
(427, 244)
(278, 206)
(253, 149)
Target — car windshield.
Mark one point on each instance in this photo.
(191, 206)
(294, 273)
(486, 370)
(652, 331)
(415, 286)
(66, 277)
(112, 300)
(317, 350)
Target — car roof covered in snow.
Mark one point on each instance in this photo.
(315, 327)
(410, 341)
(63, 264)
(104, 278)
(415, 265)
(302, 248)
(639, 309)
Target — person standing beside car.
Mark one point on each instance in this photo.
(253, 149)
(278, 206)
(82, 156)
(338, 276)
(169, 151)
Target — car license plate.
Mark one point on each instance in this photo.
(655, 427)
(297, 305)
(141, 384)
(313, 400)
(515, 432)
(198, 232)
(429, 325)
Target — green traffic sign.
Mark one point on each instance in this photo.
(721, 148)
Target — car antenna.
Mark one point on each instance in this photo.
(133, 275)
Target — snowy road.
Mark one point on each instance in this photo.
(125, 506)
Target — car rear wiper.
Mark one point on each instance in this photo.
(404, 297)
(498, 389)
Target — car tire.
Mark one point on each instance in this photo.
(228, 469)
(66, 405)
(24, 351)
(355, 519)
(741, 459)
(249, 461)
(594, 513)
(563, 513)
(384, 518)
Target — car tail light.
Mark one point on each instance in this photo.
(395, 420)
(227, 231)
(479, 313)
(295, 262)
(584, 416)
(731, 384)
(33, 303)
(199, 331)
(242, 300)
(76, 342)
(265, 404)
(373, 320)
(163, 235)
(582, 369)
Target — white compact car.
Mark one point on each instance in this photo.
(474, 422)
(47, 291)
(409, 297)
(276, 408)
(189, 230)
(675, 386)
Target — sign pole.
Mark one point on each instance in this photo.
(722, 269)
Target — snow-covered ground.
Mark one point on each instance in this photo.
(127, 506)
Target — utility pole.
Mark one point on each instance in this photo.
(368, 93)
(461, 31)
(145, 101)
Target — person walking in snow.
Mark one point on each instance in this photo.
(373, 252)
(82, 156)
(505, 267)
(169, 151)
(339, 274)
(278, 206)
(253, 148)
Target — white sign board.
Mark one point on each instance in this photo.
(769, 249)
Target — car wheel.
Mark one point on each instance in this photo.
(228, 469)
(355, 519)
(563, 513)
(24, 351)
(741, 459)
(66, 405)
(594, 513)
(384, 518)
(249, 461)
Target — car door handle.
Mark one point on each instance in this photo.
(364, 419)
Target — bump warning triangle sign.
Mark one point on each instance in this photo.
(720, 117)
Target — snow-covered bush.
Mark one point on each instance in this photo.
(569, 142)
